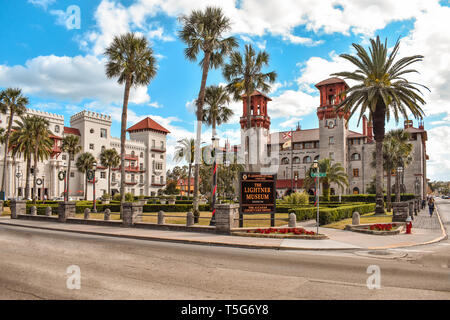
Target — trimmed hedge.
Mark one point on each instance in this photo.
(174, 207)
(362, 198)
(329, 215)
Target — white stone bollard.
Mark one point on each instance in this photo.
(48, 211)
(161, 219)
(292, 220)
(107, 214)
(355, 218)
(189, 219)
(87, 213)
(33, 210)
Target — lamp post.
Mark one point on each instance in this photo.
(66, 198)
(316, 166)
(43, 187)
(399, 173)
(94, 168)
(18, 176)
(215, 142)
(416, 187)
(296, 186)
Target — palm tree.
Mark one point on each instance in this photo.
(335, 173)
(84, 163)
(22, 144)
(131, 60)
(381, 91)
(244, 76)
(70, 144)
(42, 145)
(203, 31)
(110, 159)
(185, 151)
(216, 111)
(12, 101)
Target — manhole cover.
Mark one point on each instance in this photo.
(382, 254)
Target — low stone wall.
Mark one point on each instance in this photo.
(174, 227)
(37, 218)
(363, 228)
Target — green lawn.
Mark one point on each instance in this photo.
(366, 218)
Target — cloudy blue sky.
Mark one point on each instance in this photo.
(58, 62)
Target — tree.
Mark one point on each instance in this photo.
(382, 91)
(185, 151)
(110, 159)
(216, 110)
(70, 144)
(335, 173)
(12, 101)
(84, 163)
(22, 144)
(203, 31)
(396, 153)
(131, 60)
(42, 145)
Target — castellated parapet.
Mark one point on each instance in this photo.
(90, 115)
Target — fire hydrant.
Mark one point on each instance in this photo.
(408, 225)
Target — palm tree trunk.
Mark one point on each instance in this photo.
(397, 186)
(27, 182)
(389, 190)
(200, 102)
(66, 196)
(6, 149)
(85, 184)
(379, 130)
(109, 181)
(123, 135)
(189, 180)
(326, 191)
(35, 175)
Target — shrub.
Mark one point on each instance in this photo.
(129, 197)
(296, 198)
(173, 207)
(106, 196)
(116, 197)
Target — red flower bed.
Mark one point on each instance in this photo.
(381, 227)
(295, 231)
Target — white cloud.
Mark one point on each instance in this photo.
(42, 3)
(68, 78)
(158, 33)
(292, 102)
(438, 146)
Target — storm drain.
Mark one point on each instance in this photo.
(382, 254)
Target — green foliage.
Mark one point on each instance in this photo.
(296, 198)
(106, 196)
(129, 197)
(117, 197)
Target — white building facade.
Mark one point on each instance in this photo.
(145, 160)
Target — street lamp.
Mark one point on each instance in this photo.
(399, 173)
(416, 186)
(215, 145)
(66, 198)
(316, 166)
(94, 168)
(18, 176)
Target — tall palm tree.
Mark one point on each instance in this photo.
(216, 110)
(244, 76)
(185, 151)
(42, 145)
(382, 91)
(84, 163)
(71, 145)
(110, 159)
(22, 144)
(403, 157)
(131, 60)
(204, 31)
(335, 173)
(13, 102)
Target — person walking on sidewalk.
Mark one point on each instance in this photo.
(431, 206)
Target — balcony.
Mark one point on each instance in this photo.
(154, 184)
(155, 149)
(131, 157)
(131, 182)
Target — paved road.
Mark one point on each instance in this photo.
(34, 263)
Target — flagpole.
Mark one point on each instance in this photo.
(292, 163)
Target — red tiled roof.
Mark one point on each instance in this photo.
(257, 93)
(148, 124)
(74, 131)
(286, 183)
(330, 81)
(353, 134)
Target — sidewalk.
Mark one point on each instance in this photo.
(338, 239)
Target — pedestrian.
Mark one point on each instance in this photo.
(423, 203)
(431, 206)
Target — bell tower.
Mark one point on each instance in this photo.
(254, 136)
(332, 124)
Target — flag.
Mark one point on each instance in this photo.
(287, 136)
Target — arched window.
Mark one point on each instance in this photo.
(355, 156)
(142, 155)
(103, 148)
(296, 160)
(355, 190)
(56, 129)
(316, 157)
(132, 153)
(307, 159)
(285, 161)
